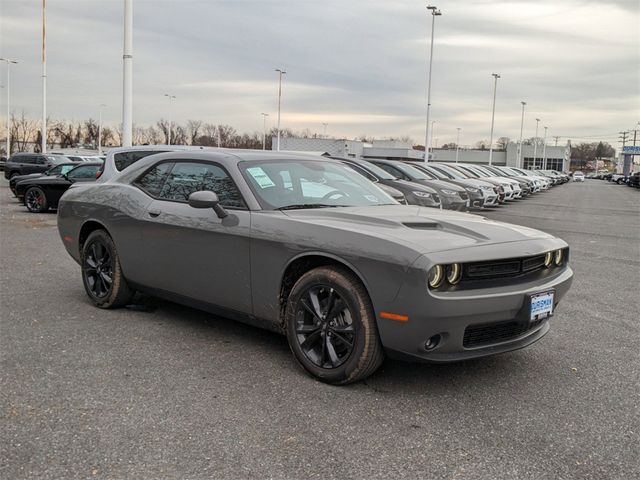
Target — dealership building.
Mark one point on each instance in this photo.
(552, 158)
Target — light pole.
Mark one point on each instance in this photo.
(324, 125)
(535, 144)
(433, 133)
(493, 114)
(264, 130)
(170, 97)
(127, 75)
(43, 140)
(544, 150)
(519, 160)
(434, 13)
(8, 61)
(280, 74)
(102, 105)
(458, 144)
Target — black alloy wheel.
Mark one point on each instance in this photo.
(331, 326)
(101, 272)
(98, 269)
(324, 327)
(35, 200)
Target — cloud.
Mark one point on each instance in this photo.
(358, 65)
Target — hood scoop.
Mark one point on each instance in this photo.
(423, 225)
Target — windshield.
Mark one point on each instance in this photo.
(412, 171)
(452, 172)
(468, 171)
(479, 171)
(290, 184)
(57, 159)
(376, 170)
(435, 172)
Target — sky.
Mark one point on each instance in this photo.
(359, 65)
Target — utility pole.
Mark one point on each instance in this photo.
(264, 130)
(544, 150)
(170, 97)
(493, 113)
(127, 75)
(623, 139)
(434, 13)
(9, 61)
(280, 73)
(535, 145)
(519, 160)
(556, 138)
(44, 81)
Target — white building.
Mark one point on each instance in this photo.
(553, 158)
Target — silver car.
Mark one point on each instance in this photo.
(309, 248)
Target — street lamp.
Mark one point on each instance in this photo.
(324, 125)
(264, 130)
(519, 160)
(280, 74)
(170, 97)
(544, 150)
(458, 144)
(493, 114)
(8, 61)
(434, 13)
(433, 134)
(102, 105)
(535, 144)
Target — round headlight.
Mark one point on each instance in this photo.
(559, 257)
(548, 259)
(436, 275)
(454, 273)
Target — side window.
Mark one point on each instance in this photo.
(362, 172)
(56, 170)
(123, 160)
(85, 171)
(39, 160)
(28, 159)
(186, 178)
(152, 181)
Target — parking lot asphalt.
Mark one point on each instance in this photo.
(163, 391)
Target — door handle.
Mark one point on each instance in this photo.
(154, 213)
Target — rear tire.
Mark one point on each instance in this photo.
(35, 200)
(101, 272)
(331, 326)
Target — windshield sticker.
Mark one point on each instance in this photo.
(261, 177)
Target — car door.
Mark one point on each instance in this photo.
(26, 164)
(82, 173)
(192, 252)
(40, 164)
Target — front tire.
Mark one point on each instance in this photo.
(331, 326)
(101, 272)
(35, 200)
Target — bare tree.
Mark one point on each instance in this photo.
(502, 142)
(482, 144)
(23, 132)
(193, 130)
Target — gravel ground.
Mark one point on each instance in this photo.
(163, 391)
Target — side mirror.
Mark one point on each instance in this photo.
(207, 199)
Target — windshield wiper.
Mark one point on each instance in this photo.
(301, 206)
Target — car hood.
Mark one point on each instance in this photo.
(44, 179)
(420, 187)
(425, 230)
(442, 184)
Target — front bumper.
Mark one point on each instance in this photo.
(448, 315)
(453, 203)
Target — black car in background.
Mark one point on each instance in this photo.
(59, 169)
(3, 161)
(42, 193)
(634, 180)
(26, 163)
(452, 196)
(414, 193)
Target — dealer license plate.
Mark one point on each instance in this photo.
(541, 306)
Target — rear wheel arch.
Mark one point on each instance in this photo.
(87, 229)
(300, 265)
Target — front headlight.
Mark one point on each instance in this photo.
(454, 273)
(436, 275)
(422, 194)
(449, 192)
(548, 259)
(472, 190)
(559, 257)
(486, 187)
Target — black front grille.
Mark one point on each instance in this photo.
(492, 269)
(478, 335)
(464, 196)
(532, 263)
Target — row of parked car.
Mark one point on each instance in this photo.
(632, 179)
(40, 180)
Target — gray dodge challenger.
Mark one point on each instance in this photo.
(305, 246)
